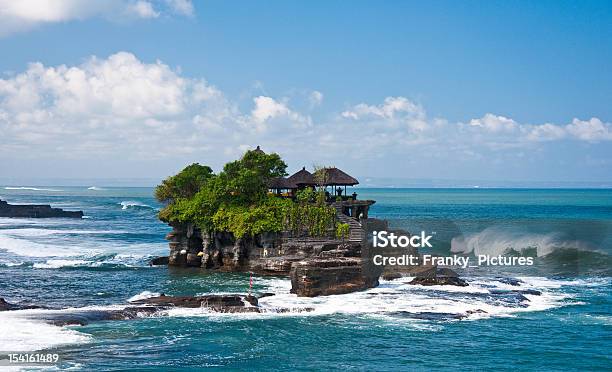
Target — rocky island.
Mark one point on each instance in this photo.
(35, 211)
(250, 217)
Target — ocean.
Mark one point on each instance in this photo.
(101, 262)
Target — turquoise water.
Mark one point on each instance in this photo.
(100, 262)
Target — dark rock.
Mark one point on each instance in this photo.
(392, 275)
(5, 306)
(210, 301)
(445, 272)
(477, 311)
(511, 281)
(186, 243)
(328, 276)
(442, 280)
(520, 291)
(273, 265)
(36, 211)
(159, 261)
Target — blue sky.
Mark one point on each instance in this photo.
(479, 90)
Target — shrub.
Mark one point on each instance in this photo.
(342, 231)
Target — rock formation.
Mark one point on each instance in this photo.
(35, 211)
(328, 276)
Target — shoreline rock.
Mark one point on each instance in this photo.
(35, 211)
(329, 276)
(441, 276)
(7, 306)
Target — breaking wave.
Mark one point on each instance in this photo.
(22, 333)
(95, 188)
(134, 204)
(494, 242)
(398, 300)
(28, 188)
(560, 256)
(143, 296)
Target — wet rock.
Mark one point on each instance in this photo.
(511, 281)
(477, 311)
(319, 276)
(6, 306)
(35, 211)
(439, 280)
(159, 261)
(520, 291)
(274, 265)
(392, 275)
(224, 303)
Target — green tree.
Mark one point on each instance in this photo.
(245, 181)
(184, 184)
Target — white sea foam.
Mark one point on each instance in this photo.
(24, 242)
(143, 296)
(393, 298)
(494, 241)
(20, 333)
(133, 204)
(34, 232)
(29, 188)
(56, 264)
(95, 188)
(29, 248)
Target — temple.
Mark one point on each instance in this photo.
(330, 178)
(318, 264)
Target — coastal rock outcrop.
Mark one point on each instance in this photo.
(321, 276)
(185, 245)
(218, 303)
(6, 306)
(443, 276)
(35, 211)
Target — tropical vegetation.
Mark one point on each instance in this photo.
(236, 199)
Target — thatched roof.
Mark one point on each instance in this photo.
(334, 177)
(301, 178)
(279, 183)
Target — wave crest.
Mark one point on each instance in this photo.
(134, 204)
(28, 188)
(494, 242)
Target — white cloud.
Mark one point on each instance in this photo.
(495, 123)
(117, 102)
(592, 130)
(315, 98)
(23, 15)
(388, 109)
(184, 7)
(267, 109)
(124, 107)
(546, 132)
(143, 9)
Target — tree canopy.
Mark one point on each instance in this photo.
(237, 200)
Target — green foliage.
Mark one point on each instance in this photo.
(268, 216)
(315, 220)
(342, 231)
(184, 184)
(245, 181)
(236, 199)
(306, 195)
(321, 197)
